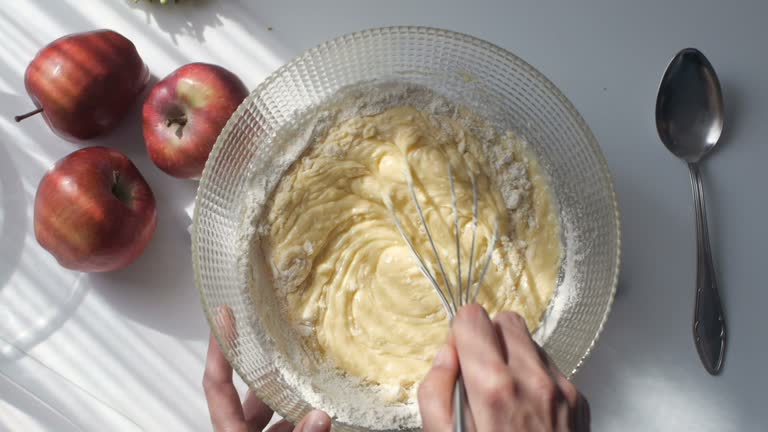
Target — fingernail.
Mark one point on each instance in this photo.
(317, 421)
(442, 357)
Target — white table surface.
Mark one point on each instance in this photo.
(124, 351)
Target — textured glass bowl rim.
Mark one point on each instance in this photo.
(373, 33)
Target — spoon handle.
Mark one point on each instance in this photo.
(708, 318)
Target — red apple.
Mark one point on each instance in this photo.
(184, 114)
(94, 211)
(84, 83)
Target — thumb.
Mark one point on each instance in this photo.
(315, 421)
(436, 391)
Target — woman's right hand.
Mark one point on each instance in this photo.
(511, 384)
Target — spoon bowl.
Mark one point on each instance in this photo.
(689, 108)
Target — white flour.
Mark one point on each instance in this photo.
(321, 385)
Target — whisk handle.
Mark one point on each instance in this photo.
(459, 399)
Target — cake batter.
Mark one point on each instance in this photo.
(349, 280)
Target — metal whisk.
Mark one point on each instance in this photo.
(452, 297)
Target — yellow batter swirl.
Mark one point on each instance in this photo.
(347, 276)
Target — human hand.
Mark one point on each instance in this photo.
(511, 383)
(253, 415)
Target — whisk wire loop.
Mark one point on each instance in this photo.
(452, 300)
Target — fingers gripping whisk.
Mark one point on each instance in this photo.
(453, 296)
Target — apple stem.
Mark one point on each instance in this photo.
(19, 118)
(118, 190)
(180, 120)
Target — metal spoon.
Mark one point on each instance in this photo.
(689, 119)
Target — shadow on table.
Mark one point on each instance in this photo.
(645, 363)
(195, 17)
(98, 345)
(43, 326)
(157, 290)
(33, 406)
(54, 300)
(13, 206)
(186, 17)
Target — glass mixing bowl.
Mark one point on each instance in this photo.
(496, 84)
